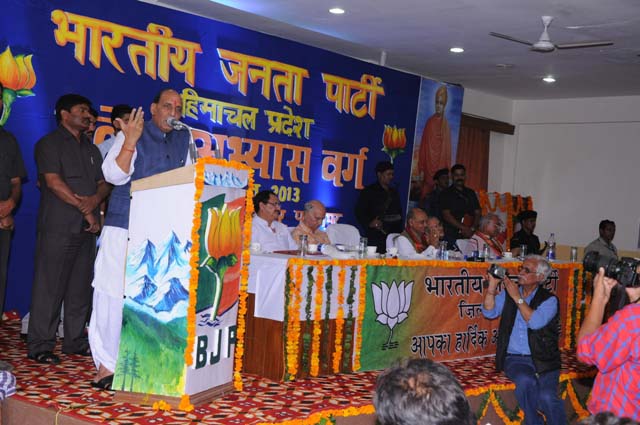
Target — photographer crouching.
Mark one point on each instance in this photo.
(528, 337)
(613, 347)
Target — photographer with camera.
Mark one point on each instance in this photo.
(613, 347)
(528, 337)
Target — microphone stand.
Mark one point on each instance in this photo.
(193, 150)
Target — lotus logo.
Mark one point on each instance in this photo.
(391, 304)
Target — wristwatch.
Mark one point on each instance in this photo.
(520, 301)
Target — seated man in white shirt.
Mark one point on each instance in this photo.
(265, 228)
(416, 241)
(312, 218)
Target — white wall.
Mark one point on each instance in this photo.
(577, 158)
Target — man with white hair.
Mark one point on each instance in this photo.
(528, 335)
(312, 217)
(489, 228)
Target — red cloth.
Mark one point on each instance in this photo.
(615, 350)
(435, 150)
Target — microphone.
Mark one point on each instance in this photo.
(176, 124)
(193, 150)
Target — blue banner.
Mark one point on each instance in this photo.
(312, 123)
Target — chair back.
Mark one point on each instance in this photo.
(344, 234)
(391, 240)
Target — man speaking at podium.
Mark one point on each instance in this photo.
(140, 150)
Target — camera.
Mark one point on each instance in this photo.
(497, 271)
(623, 270)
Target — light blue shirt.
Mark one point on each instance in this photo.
(519, 339)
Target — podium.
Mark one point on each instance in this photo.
(182, 283)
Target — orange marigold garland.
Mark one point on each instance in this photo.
(337, 349)
(194, 262)
(362, 293)
(317, 321)
(292, 334)
(185, 404)
(244, 276)
(575, 402)
(327, 415)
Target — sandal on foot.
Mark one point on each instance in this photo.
(103, 384)
(46, 357)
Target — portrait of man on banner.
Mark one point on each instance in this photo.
(436, 139)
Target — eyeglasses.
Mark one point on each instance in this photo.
(275, 204)
(525, 270)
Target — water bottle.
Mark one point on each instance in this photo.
(551, 251)
(485, 252)
(304, 245)
(443, 254)
(362, 247)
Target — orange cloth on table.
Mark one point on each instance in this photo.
(435, 150)
(317, 237)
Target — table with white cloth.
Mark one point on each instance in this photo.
(317, 316)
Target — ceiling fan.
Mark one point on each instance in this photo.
(545, 45)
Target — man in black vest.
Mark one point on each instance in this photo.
(528, 336)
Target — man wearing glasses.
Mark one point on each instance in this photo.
(266, 228)
(528, 335)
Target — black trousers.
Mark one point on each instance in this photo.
(63, 273)
(5, 246)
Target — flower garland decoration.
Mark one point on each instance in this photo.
(185, 404)
(348, 339)
(326, 415)
(511, 211)
(579, 408)
(161, 405)
(324, 341)
(578, 306)
(244, 271)
(337, 348)
(194, 263)
(362, 293)
(509, 417)
(292, 333)
(571, 297)
(287, 315)
(306, 336)
(315, 339)
(515, 417)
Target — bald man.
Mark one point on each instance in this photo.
(414, 241)
(312, 218)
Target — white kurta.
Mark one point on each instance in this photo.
(406, 249)
(271, 238)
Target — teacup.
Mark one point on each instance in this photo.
(371, 250)
(312, 247)
(507, 254)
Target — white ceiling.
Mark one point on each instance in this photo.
(417, 34)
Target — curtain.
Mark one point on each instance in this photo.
(473, 153)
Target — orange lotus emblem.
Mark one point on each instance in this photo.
(17, 77)
(394, 140)
(224, 235)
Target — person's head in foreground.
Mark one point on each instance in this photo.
(419, 392)
(607, 418)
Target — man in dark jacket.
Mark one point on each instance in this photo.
(378, 208)
(528, 337)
